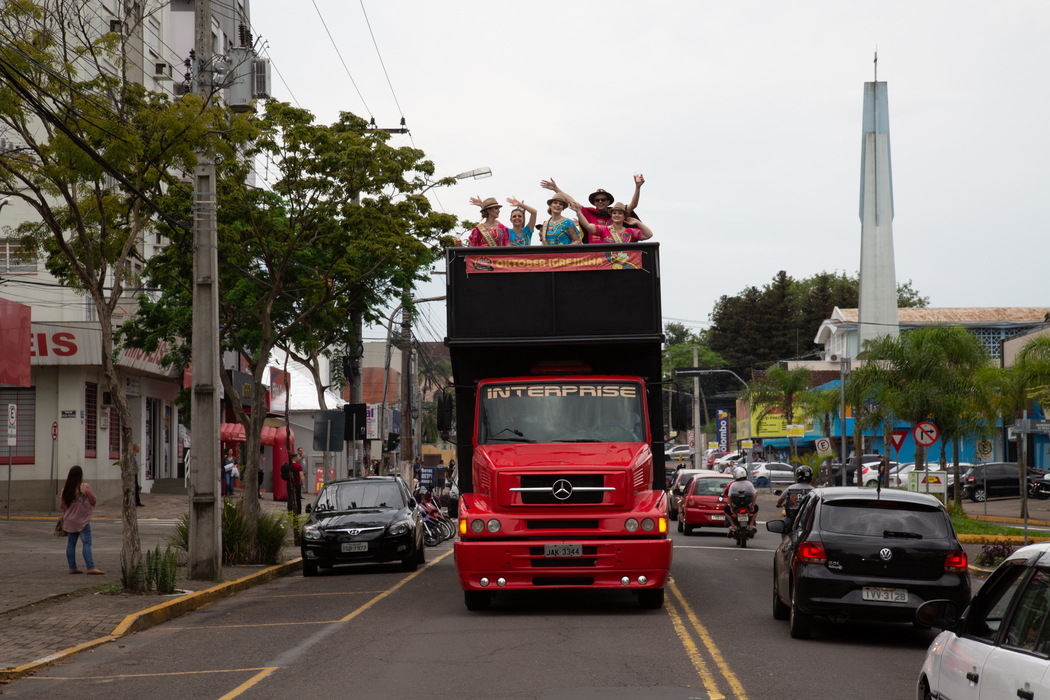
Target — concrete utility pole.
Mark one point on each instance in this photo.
(877, 308)
(696, 405)
(205, 555)
(406, 383)
(357, 392)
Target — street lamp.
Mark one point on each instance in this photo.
(476, 174)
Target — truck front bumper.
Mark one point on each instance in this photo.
(522, 565)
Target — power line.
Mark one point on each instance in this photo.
(374, 43)
(332, 39)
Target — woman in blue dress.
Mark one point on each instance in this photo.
(558, 230)
(520, 234)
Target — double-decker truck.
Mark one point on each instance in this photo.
(556, 367)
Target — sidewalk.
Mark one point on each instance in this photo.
(44, 609)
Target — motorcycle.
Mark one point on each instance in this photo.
(740, 504)
(1039, 489)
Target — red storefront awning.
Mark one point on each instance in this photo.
(234, 432)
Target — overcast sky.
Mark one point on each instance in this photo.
(745, 118)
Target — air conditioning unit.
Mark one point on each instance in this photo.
(261, 78)
(162, 70)
(833, 358)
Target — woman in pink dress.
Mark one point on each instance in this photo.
(620, 230)
(78, 501)
(489, 232)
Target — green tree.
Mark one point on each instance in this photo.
(92, 154)
(343, 225)
(825, 403)
(780, 390)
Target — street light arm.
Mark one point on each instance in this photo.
(727, 371)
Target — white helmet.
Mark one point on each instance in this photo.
(739, 473)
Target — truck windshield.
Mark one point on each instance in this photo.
(561, 412)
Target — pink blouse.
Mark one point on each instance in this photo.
(78, 515)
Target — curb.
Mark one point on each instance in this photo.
(1012, 521)
(136, 622)
(992, 539)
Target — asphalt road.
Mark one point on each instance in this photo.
(375, 632)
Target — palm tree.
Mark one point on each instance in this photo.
(824, 403)
(779, 391)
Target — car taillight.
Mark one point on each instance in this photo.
(955, 561)
(812, 553)
(971, 479)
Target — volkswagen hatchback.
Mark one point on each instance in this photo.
(854, 555)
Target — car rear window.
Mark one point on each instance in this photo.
(877, 518)
(710, 486)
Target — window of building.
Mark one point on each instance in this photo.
(90, 419)
(14, 259)
(114, 434)
(24, 451)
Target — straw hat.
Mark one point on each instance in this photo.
(558, 197)
(489, 203)
(619, 206)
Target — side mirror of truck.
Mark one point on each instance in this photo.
(444, 413)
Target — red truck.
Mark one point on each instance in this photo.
(557, 383)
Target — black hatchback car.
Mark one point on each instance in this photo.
(983, 481)
(853, 555)
(373, 519)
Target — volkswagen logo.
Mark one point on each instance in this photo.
(885, 554)
(562, 489)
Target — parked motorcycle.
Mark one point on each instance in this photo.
(1039, 489)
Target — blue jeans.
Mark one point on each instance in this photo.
(71, 547)
(227, 481)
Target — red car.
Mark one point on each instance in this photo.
(715, 455)
(701, 504)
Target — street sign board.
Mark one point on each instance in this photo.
(1032, 425)
(897, 438)
(747, 444)
(823, 446)
(12, 424)
(985, 447)
(797, 430)
(925, 433)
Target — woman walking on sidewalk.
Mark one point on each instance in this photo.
(78, 501)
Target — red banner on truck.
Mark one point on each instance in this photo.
(558, 262)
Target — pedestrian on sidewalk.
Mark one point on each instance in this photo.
(135, 458)
(78, 502)
(227, 473)
(295, 487)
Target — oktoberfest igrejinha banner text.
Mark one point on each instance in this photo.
(558, 262)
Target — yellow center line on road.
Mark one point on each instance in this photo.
(709, 643)
(393, 588)
(694, 655)
(248, 683)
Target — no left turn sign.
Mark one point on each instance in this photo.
(925, 433)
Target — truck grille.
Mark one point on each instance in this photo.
(562, 489)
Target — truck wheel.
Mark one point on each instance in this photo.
(309, 569)
(477, 600)
(651, 598)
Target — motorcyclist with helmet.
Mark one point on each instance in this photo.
(793, 496)
(740, 489)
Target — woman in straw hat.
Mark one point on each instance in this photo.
(558, 230)
(489, 232)
(618, 230)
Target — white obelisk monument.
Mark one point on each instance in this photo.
(878, 277)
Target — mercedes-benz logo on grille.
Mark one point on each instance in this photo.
(561, 489)
(885, 554)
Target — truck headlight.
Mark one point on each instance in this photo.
(631, 525)
(648, 524)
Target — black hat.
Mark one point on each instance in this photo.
(592, 195)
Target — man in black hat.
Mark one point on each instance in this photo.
(598, 212)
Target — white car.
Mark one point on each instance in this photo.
(722, 462)
(999, 647)
(676, 451)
